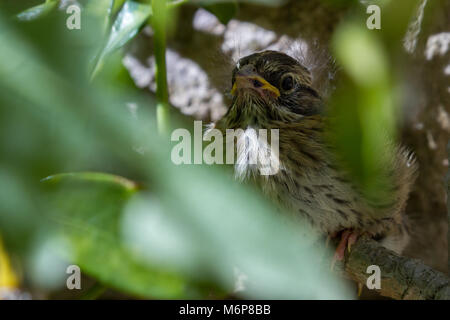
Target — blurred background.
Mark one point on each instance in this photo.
(85, 171)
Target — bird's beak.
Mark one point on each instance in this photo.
(256, 82)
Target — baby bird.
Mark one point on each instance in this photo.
(272, 90)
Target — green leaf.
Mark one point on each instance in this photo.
(87, 208)
(102, 9)
(125, 183)
(127, 24)
(129, 20)
(117, 5)
(223, 11)
(38, 11)
(363, 110)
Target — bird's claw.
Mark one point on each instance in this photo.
(360, 287)
(348, 239)
(352, 239)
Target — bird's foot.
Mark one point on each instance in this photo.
(360, 289)
(348, 239)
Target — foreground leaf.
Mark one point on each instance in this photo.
(129, 20)
(38, 11)
(87, 208)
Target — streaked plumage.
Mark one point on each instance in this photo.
(311, 184)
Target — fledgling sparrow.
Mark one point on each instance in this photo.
(272, 90)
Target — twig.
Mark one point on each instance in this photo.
(401, 277)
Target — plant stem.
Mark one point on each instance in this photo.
(159, 22)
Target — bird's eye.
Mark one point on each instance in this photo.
(287, 83)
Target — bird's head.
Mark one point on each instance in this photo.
(271, 85)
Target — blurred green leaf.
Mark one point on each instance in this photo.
(129, 20)
(363, 110)
(87, 208)
(106, 178)
(361, 54)
(102, 9)
(127, 24)
(38, 11)
(118, 5)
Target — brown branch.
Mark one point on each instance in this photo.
(401, 277)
